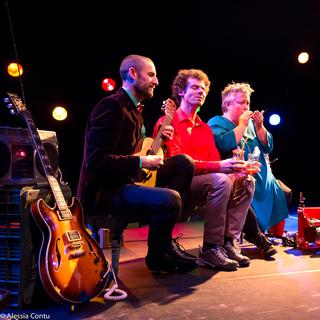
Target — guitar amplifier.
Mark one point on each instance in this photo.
(308, 236)
(19, 162)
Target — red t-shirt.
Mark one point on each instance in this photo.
(195, 140)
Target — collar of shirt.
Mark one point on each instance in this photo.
(132, 97)
(182, 116)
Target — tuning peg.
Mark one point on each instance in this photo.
(6, 100)
(12, 111)
(9, 106)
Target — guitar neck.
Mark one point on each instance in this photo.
(47, 167)
(39, 148)
(157, 142)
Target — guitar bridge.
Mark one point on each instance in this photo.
(75, 243)
(143, 176)
(77, 253)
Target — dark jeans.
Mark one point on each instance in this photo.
(160, 206)
(251, 226)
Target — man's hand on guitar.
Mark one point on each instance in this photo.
(166, 132)
(151, 162)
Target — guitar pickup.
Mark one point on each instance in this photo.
(73, 235)
(64, 214)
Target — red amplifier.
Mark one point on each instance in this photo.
(308, 236)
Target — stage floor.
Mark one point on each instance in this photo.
(284, 287)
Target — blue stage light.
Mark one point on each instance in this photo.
(274, 119)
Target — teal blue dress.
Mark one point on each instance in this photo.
(269, 201)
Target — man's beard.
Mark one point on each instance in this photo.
(145, 92)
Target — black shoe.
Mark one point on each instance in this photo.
(169, 262)
(180, 250)
(263, 243)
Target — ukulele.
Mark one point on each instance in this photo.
(72, 266)
(149, 146)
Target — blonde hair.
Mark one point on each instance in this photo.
(229, 92)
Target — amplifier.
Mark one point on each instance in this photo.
(308, 236)
(19, 162)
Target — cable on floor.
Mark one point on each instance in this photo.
(119, 294)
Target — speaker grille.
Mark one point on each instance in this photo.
(19, 162)
(22, 161)
(5, 159)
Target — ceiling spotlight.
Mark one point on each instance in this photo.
(108, 84)
(59, 113)
(15, 69)
(274, 119)
(303, 57)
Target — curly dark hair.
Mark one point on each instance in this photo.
(180, 82)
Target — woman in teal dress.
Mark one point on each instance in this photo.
(240, 127)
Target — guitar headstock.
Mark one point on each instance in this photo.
(15, 105)
(169, 107)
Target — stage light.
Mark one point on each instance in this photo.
(274, 119)
(20, 153)
(303, 57)
(15, 69)
(59, 113)
(108, 84)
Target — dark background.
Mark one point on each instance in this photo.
(67, 49)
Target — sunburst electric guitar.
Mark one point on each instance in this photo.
(149, 146)
(72, 266)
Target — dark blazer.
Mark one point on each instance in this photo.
(112, 134)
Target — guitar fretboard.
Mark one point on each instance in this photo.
(157, 142)
(39, 148)
(47, 167)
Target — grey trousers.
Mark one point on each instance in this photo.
(227, 198)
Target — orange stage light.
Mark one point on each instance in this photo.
(15, 69)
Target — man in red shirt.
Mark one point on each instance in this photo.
(219, 184)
